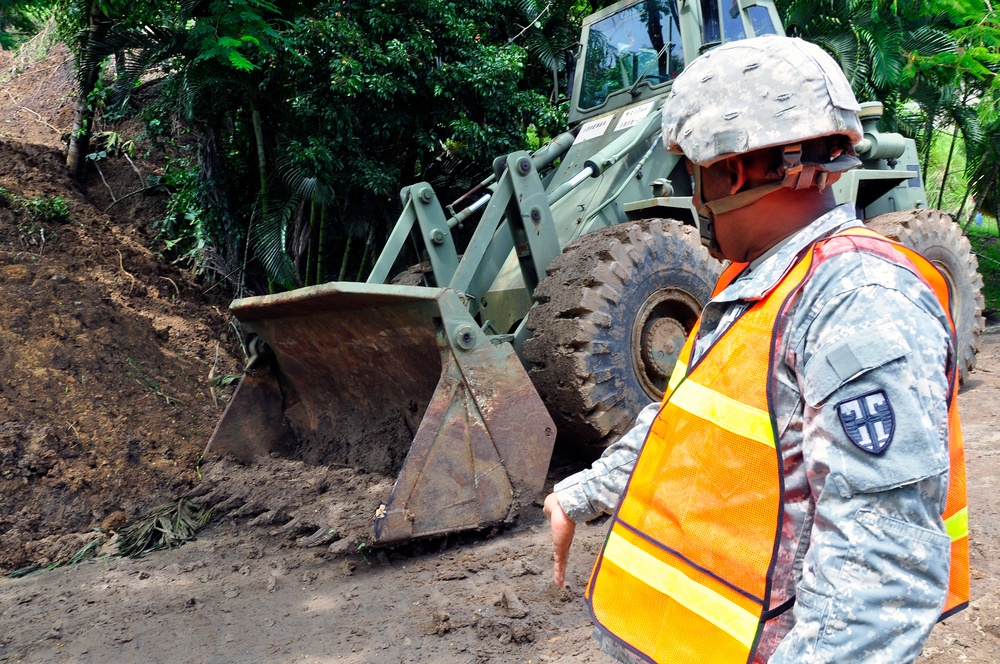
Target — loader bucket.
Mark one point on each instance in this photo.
(397, 380)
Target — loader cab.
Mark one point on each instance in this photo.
(631, 52)
(731, 20)
(637, 45)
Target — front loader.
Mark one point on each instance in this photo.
(566, 309)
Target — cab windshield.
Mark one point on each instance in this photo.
(640, 43)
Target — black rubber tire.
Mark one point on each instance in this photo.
(610, 320)
(940, 240)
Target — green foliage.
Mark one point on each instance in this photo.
(115, 144)
(372, 98)
(233, 32)
(887, 49)
(227, 380)
(546, 29)
(183, 230)
(19, 21)
(292, 126)
(41, 209)
(45, 209)
(944, 179)
(986, 244)
(328, 108)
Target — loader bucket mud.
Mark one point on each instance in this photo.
(395, 380)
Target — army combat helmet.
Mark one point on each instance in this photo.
(759, 93)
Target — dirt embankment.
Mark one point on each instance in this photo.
(105, 350)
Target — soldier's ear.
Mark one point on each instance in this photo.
(736, 171)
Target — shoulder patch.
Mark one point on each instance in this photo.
(868, 420)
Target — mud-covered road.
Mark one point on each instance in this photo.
(245, 593)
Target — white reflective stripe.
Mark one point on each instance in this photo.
(726, 412)
(957, 524)
(680, 369)
(705, 602)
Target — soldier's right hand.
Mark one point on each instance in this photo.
(563, 529)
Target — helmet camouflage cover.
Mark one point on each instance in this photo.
(757, 93)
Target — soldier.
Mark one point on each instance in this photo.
(790, 500)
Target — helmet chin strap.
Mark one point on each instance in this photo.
(792, 174)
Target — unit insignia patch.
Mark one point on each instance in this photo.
(868, 420)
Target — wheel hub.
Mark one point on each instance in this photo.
(658, 334)
(660, 351)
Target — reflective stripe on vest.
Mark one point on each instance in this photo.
(685, 573)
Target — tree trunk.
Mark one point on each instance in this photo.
(300, 241)
(555, 83)
(321, 244)
(258, 133)
(961, 208)
(929, 133)
(311, 255)
(366, 254)
(947, 167)
(88, 71)
(344, 259)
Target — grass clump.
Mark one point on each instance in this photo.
(45, 209)
(39, 209)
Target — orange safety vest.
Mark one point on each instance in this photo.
(685, 573)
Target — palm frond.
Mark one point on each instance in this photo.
(300, 182)
(967, 121)
(545, 50)
(929, 41)
(886, 61)
(165, 527)
(269, 236)
(799, 19)
(204, 80)
(843, 46)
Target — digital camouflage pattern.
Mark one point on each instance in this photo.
(863, 548)
(756, 93)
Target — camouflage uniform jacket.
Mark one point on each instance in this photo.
(862, 547)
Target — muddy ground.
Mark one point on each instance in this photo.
(252, 593)
(106, 355)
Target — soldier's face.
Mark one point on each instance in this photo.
(741, 229)
(711, 184)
